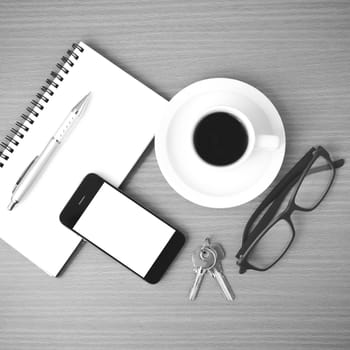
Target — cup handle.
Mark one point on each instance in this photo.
(270, 142)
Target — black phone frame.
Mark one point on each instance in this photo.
(81, 199)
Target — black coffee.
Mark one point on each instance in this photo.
(220, 138)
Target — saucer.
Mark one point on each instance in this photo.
(202, 183)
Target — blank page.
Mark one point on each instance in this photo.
(119, 122)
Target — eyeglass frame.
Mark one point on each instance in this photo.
(274, 200)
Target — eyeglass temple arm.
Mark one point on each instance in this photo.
(291, 181)
(337, 164)
(272, 210)
(280, 194)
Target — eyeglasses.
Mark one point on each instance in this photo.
(270, 231)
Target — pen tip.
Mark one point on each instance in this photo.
(86, 96)
(80, 105)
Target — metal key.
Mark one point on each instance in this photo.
(217, 272)
(203, 259)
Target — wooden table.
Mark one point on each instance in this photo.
(298, 53)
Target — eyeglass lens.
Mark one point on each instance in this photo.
(315, 184)
(271, 246)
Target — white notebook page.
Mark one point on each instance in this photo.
(118, 124)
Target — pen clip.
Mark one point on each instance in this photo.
(24, 173)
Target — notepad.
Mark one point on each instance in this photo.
(118, 124)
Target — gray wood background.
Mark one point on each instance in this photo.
(298, 53)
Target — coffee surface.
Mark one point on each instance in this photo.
(220, 139)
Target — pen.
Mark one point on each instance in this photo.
(31, 173)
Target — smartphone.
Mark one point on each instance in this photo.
(122, 228)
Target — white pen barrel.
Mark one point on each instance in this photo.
(34, 171)
(37, 166)
(65, 126)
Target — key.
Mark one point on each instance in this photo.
(203, 259)
(217, 272)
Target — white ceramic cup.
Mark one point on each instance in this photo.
(256, 139)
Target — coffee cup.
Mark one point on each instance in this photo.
(221, 142)
(225, 136)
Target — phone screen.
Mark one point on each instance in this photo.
(123, 229)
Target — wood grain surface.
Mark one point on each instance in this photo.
(298, 54)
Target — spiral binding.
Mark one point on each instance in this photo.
(12, 140)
